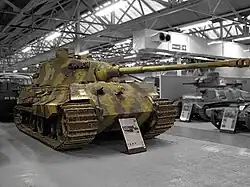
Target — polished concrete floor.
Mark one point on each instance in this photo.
(190, 154)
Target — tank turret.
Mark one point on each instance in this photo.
(68, 70)
(210, 80)
(213, 80)
(75, 99)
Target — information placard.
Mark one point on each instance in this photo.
(186, 111)
(132, 135)
(229, 120)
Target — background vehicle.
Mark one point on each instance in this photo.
(10, 84)
(211, 89)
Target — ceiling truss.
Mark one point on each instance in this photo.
(77, 22)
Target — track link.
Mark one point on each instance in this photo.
(77, 127)
(166, 114)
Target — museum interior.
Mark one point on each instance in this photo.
(124, 93)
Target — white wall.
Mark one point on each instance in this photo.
(234, 72)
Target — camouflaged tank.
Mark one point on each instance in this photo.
(73, 100)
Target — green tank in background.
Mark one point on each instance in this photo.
(210, 89)
(10, 84)
(74, 100)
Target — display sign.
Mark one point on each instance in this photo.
(186, 111)
(132, 135)
(179, 47)
(229, 120)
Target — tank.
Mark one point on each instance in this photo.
(74, 100)
(10, 84)
(239, 99)
(210, 88)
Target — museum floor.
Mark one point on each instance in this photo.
(190, 154)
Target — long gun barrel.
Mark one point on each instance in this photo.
(116, 71)
(141, 69)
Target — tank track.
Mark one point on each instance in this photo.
(166, 114)
(78, 125)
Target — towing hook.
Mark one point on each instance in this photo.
(99, 111)
(100, 91)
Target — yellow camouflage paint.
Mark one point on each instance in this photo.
(117, 99)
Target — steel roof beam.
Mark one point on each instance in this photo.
(20, 15)
(50, 18)
(12, 5)
(102, 34)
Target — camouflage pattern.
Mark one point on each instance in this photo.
(72, 100)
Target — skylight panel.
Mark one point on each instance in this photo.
(156, 6)
(211, 34)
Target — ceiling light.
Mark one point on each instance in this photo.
(131, 56)
(84, 52)
(242, 39)
(200, 58)
(53, 36)
(37, 65)
(214, 42)
(123, 42)
(114, 6)
(246, 50)
(163, 53)
(25, 68)
(25, 50)
(195, 25)
(15, 71)
(166, 59)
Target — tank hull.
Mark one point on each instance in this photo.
(213, 97)
(215, 114)
(71, 116)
